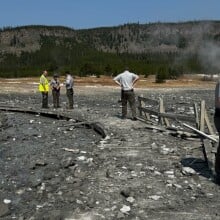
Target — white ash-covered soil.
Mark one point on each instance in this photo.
(50, 169)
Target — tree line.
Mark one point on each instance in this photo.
(81, 59)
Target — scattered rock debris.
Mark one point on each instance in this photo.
(53, 171)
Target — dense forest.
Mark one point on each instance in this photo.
(165, 49)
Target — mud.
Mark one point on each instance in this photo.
(51, 169)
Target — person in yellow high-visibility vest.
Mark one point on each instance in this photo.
(44, 88)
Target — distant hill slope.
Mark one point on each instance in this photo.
(131, 38)
(107, 49)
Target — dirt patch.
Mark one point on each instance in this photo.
(53, 171)
(26, 85)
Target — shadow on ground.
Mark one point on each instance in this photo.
(199, 165)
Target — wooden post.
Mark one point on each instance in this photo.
(141, 99)
(140, 105)
(202, 116)
(196, 115)
(161, 121)
(147, 115)
(204, 120)
(162, 110)
(211, 131)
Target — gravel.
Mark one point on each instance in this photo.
(53, 171)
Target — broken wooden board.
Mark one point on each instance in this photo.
(215, 139)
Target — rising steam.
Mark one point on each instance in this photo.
(209, 56)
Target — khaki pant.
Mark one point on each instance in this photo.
(128, 97)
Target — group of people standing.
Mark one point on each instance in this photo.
(55, 86)
(125, 80)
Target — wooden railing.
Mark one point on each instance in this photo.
(163, 116)
(200, 122)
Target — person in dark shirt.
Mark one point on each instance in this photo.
(55, 87)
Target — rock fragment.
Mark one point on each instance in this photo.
(154, 197)
(125, 209)
(4, 209)
(188, 171)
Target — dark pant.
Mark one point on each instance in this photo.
(69, 93)
(44, 99)
(128, 97)
(56, 98)
(217, 125)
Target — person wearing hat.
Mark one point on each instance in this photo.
(55, 87)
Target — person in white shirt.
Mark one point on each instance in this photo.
(69, 89)
(126, 81)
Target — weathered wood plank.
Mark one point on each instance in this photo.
(195, 106)
(202, 117)
(169, 115)
(170, 130)
(140, 105)
(96, 126)
(162, 110)
(201, 133)
(148, 100)
(211, 131)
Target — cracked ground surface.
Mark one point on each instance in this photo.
(53, 171)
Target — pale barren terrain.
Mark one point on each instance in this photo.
(53, 169)
(25, 85)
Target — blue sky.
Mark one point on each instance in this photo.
(79, 14)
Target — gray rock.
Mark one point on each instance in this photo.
(52, 215)
(120, 215)
(126, 192)
(4, 209)
(68, 162)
